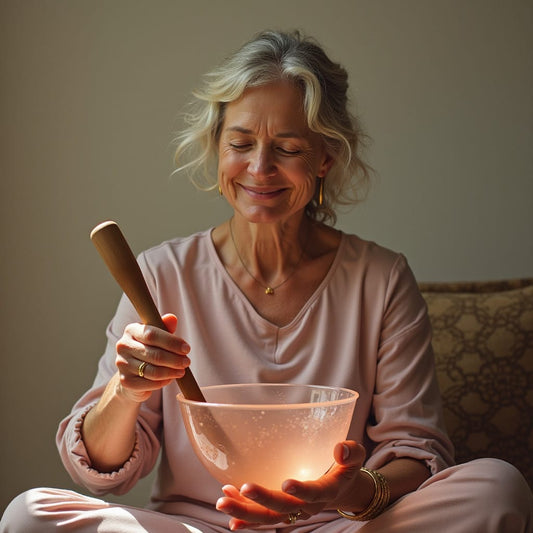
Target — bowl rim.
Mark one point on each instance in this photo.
(351, 398)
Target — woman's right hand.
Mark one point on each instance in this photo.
(108, 429)
(164, 353)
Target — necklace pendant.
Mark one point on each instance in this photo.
(269, 291)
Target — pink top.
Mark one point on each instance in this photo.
(365, 328)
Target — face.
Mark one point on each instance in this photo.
(269, 159)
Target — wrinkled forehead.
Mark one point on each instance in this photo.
(278, 105)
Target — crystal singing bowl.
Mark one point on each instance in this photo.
(266, 433)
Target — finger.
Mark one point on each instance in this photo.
(349, 453)
(158, 338)
(139, 375)
(236, 524)
(250, 516)
(141, 364)
(137, 384)
(349, 457)
(170, 321)
(134, 351)
(276, 500)
(247, 512)
(231, 491)
(144, 371)
(314, 493)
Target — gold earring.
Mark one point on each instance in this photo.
(220, 191)
(321, 192)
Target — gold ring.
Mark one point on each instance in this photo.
(294, 516)
(141, 368)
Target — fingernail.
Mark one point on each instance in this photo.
(185, 348)
(345, 452)
(248, 492)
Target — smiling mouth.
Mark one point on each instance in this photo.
(261, 193)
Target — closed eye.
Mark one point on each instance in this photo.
(285, 151)
(241, 147)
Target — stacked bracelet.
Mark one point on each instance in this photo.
(379, 502)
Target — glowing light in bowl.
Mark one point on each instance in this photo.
(266, 433)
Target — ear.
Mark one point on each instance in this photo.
(325, 165)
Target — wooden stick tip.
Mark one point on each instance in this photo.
(102, 226)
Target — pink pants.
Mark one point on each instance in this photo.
(482, 496)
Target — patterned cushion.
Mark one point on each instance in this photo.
(483, 342)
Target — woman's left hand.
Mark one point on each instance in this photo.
(254, 505)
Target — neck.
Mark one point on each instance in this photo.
(270, 253)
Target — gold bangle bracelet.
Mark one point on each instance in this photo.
(379, 502)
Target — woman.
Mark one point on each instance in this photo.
(275, 294)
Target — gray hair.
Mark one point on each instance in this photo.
(269, 57)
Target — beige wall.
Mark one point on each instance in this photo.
(90, 93)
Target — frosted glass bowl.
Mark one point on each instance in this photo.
(266, 433)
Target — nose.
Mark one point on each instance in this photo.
(262, 162)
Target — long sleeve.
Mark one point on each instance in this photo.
(147, 443)
(406, 418)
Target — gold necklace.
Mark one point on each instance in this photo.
(268, 289)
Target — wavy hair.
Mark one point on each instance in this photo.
(271, 56)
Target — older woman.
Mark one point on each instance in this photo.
(275, 294)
